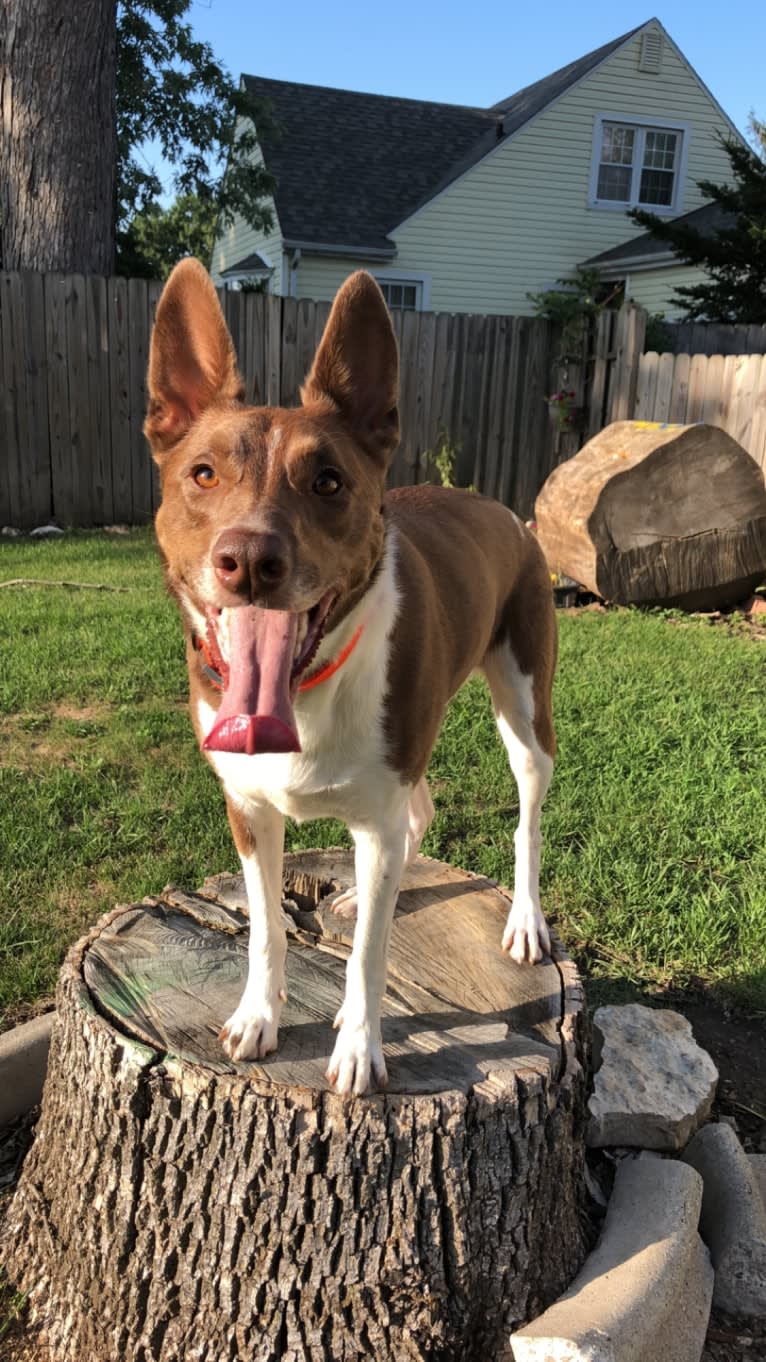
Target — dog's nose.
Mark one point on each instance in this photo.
(248, 562)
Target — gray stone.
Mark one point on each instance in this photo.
(758, 1166)
(10, 532)
(23, 1066)
(655, 1085)
(42, 531)
(733, 1221)
(643, 1294)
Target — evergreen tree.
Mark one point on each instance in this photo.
(733, 255)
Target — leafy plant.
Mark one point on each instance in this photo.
(574, 305)
(444, 460)
(172, 91)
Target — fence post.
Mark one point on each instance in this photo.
(631, 333)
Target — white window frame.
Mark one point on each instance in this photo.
(421, 281)
(641, 125)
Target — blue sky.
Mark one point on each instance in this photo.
(463, 53)
(476, 53)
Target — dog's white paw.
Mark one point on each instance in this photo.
(357, 1058)
(251, 1033)
(526, 936)
(345, 904)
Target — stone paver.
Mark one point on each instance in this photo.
(23, 1065)
(733, 1220)
(644, 1293)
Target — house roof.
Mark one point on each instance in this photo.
(351, 167)
(251, 264)
(708, 220)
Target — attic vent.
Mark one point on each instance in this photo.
(650, 59)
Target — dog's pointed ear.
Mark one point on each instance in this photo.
(356, 368)
(191, 358)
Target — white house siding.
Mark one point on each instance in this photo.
(240, 240)
(520, 220)
(652, 289)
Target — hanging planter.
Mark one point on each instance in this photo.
(564, 409)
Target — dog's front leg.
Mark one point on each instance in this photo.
(379, 860)
(259, 834)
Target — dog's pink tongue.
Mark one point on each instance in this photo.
(256, 713)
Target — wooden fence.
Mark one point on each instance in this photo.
(714, 338)
(74, 351)
(723, 390)
(73, 357)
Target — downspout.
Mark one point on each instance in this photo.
(295, 261)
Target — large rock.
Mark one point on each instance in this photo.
(654, 1085)
(649, 513)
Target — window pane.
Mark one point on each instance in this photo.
(617, 145)
(399, 294)
(660, 152)
(614, 183)
(657, 187)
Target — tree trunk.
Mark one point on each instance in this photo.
(655, 514)
(176, 1205)
(58, 152)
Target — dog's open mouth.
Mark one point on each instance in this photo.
(269, 651)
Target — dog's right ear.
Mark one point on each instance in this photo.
(191, 359)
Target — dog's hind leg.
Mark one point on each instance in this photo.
(420, 812)
(521, 702)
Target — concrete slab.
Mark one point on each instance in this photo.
(733, 1220)
(645, 1290)
(23, 1065)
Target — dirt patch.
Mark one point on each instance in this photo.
(747, 619)
(737, 1043)
(15, 1014)
(731, 1340)
(82, 713)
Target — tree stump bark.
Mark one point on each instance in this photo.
(176, 1206)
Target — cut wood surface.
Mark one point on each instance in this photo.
(652, 514)
(179, 1205)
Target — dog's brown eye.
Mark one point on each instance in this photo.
(205, 476)
(328, 483)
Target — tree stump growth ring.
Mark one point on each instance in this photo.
(179, 1207)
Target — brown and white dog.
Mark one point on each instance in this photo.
(342, 619)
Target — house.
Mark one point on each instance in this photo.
(457, 209)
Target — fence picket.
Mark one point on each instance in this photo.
(74, 352)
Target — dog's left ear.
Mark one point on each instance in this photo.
(191, 359)
(356, 368)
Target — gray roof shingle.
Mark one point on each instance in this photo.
(708, 220)
(350, 167)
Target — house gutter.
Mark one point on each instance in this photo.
(332, 248)
(615, 269)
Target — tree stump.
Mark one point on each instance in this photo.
(177, 1206)
(656, 514)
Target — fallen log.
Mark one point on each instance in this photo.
(177, 1205)
(651, 514)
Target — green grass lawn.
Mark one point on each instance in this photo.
(654, 862)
